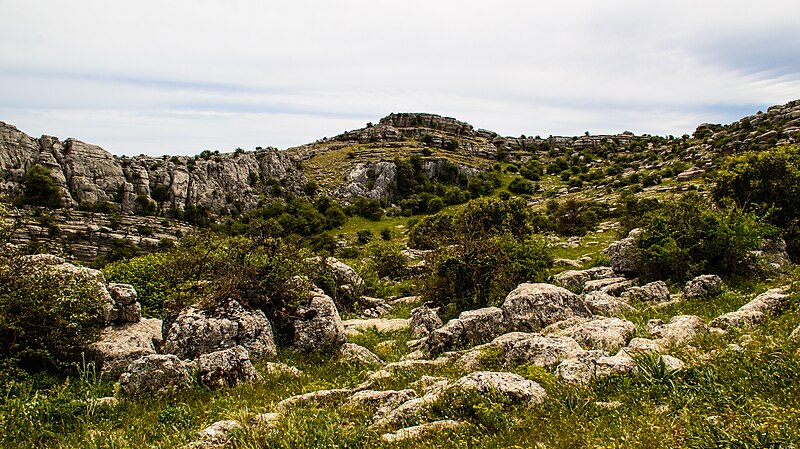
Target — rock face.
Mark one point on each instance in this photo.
(196, 332)
(623, 253)
(228, 367)
(530, 307)
(121, 344)
(154, 373)
(320, 328)
(704, 286)
(87, 173)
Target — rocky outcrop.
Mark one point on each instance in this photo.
(652, 292)
(601, 333)
(353, 353)
(197, 331)
(87, 173)
(574, 280)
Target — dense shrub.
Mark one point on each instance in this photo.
(41, 188)
(568, 218)
(387, 258)
(766, 183)
(483, 251)
(690, 236)
(367, 208)
(45, 316)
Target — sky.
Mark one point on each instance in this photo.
(179, 77)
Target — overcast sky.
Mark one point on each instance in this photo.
(178, 77)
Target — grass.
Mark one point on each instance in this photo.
(724, 399)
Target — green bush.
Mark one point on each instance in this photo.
(388, 258)
(766, 183)
(45, 316)
(690, 236)
(41, 188)
(483, 251)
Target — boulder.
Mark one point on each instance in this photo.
(754, 312)
(344, 275)
(618, 365)
(531, 307)
(601, 303)
(228, 367)
(197, 331)
(690, 174)
(154, 373)
(652, 292)
(319, 327)
(127, 309)
(471, 327)
(622, 253)
(600, 333)
(424, 320)
(121, 344)
(704, 286)
(314, 397)
(518, 348)
(353, 353)
(680, 330)
(509, 385)
(355, 326)
(606, 285)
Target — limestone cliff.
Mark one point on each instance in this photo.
(87, 173)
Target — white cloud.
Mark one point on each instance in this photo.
(182, 76)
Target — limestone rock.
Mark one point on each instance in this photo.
(579, 370)
(314, 397)
(600, 333)
(518, 348)
(128, 310)
(154, 373)
(690, 174)
(618, 365)
(652, 292)
(601, 303)
(754, 312)
(228, 367)
(278, 369)
(414, 432)
(196, 332)
(704, 286)
(320, 328)
(607, 285)
(680, 330)
(530, 307)
(216, 435)
(623, 253)
(509, 385)
(121, 344)
(471, 327)
(574, 280)
(378, 402)
(353, 353)
(355, 326)
(424, 320)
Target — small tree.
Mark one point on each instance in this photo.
(41, 188)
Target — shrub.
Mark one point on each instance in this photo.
(521, 186)
(41, 188)
(690, 236)
(388, 258)
(484, 251)
(766, 183)
(45, 316)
